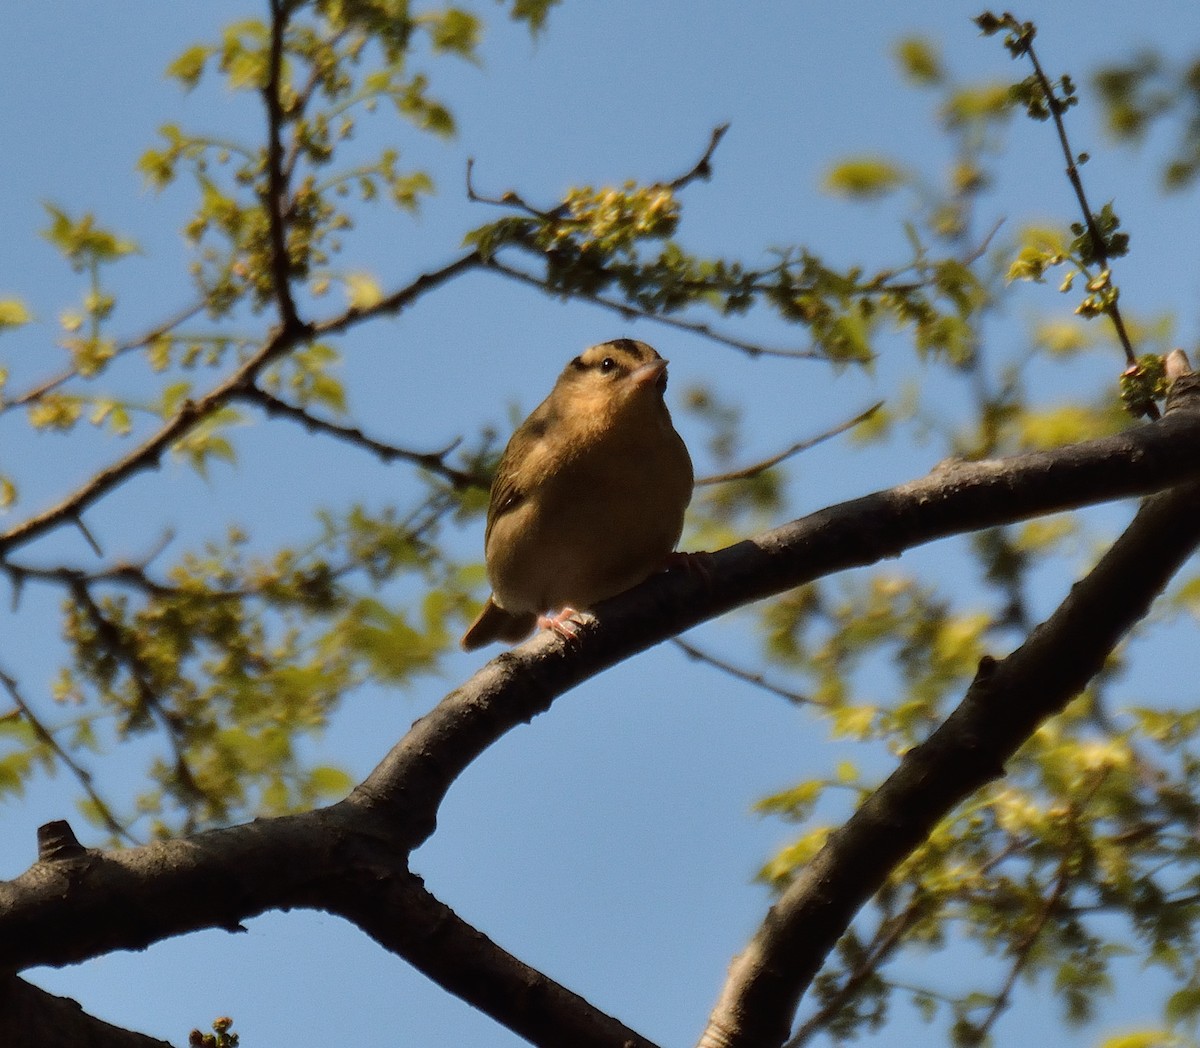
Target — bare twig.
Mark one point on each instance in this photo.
(747, 472)
(434, 461)
(399, 299)
(1022, 951)
(510, 198)
(702, 168)
(747, 676)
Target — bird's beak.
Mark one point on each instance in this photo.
(653, 373)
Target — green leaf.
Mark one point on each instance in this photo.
(1141, 1039)
(534, 12)
(1183, 1006)
(82, 241)
(796, 803)
(362, 290)
(455, 31)
(13, 313)
(864, 178)
(919, 60)
(189, 66)
(327, 781)
(980, 103)
(172, 398)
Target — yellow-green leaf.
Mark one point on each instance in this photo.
(919, 60)
(328, 781)
(864, 178)
(13, 313)
(362, 290)
(189, 66)
(1141, 1039)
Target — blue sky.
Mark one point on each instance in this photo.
(610, 843)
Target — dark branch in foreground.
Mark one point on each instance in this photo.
(351, 858)
(32, 1018)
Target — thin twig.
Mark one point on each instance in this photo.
(510, 198)
(747, 676)
(434, 461)
(275, 201)
(1056, 108)
(747, 472)
(400, 299)
(82, 775)
(1024, 949)
(150, 451)
(148, 696)
(48, 385)
(303, 97)
(702, 168)
(888, 937)
(627, 311)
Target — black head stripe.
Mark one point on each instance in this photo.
(627, 345)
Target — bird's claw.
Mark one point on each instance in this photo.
(565, 623)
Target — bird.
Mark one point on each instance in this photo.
(589, 496)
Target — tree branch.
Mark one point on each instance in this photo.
(737, 673)
(747, 472)
(275, 199)
(434, 461)
(48, 385)
(32, 1018)
(401, 915)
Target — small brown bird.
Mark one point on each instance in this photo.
(589, 496)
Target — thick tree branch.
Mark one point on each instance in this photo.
(398, 912)
(76, 907)
(32, 1018)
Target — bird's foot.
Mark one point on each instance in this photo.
(698, 564)
(565, 623)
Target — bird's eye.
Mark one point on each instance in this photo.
(607, 364)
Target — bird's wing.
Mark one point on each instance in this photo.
(526, 449)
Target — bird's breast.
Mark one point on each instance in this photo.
(596, 522)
